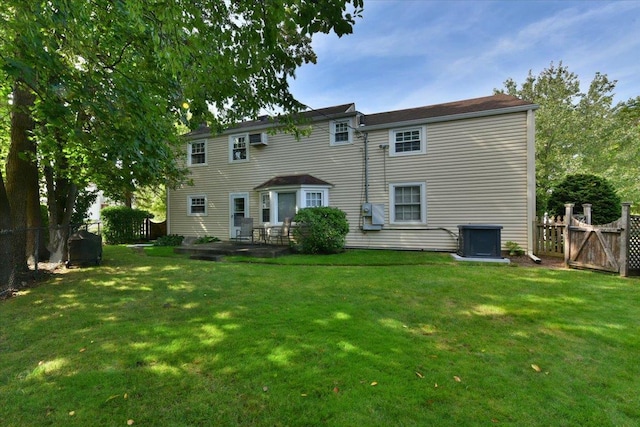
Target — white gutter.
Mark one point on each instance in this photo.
(451, 117)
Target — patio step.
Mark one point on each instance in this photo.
(207, 257)
(211, 251)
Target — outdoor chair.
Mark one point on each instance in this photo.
(281, 233)
(246, 230)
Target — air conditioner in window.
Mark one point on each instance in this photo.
(257, 139)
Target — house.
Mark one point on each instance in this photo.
(406, 179)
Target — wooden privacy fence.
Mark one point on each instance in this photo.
(548, 236)
(611, 247)
(606, 247)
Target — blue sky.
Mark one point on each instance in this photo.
(410, 53)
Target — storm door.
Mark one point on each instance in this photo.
(239, 208)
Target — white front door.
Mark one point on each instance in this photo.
(238, 209)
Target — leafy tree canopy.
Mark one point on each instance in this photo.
(112, 77)
(98, 86)
(579, 132)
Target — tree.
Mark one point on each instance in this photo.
(618, 161)
(573, 129)
(109, 80)
(586, 188)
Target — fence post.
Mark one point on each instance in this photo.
(625, 223)
(587, 212)
(568, 216)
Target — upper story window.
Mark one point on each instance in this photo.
(341, 132)
(197, 205)
(197, 153)
(403, 142)
(238, 148)
(408, 203)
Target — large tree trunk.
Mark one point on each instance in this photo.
(61, 198)
(22, 174)
(7, 265)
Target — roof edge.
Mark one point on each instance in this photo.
(452, 117)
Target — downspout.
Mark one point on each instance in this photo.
(531, 183)
(168, 207)
(366, 167)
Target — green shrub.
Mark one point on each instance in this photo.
(206, 239)
(514, 248)
(122, 224)
(584, 188)
(170, 240)
(320, 230)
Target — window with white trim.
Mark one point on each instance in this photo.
(341, 132)
(197, 153)
(408, 204)
(313, 199)
(266, 207)
(286, 202)
(197, 205)
(278, 203)
(238, 148)
(408, 141)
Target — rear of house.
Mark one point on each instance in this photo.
(406, 179)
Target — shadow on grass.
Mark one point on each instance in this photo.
(180, 342)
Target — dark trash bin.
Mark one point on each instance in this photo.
(84, 248)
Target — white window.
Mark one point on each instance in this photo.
(286, 202)
(341, 132)
(197, 153)
(197, 205)
(408, 203)
(238, 148)
(313, 199)
(266, 207)
(403, 142)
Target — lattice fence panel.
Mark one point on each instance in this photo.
(634, 243)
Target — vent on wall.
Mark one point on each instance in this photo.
(479, 241)
(256, 139)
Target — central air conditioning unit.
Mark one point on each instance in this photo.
(479, 240)
(258, 139)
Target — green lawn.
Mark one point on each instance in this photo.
(367, 339)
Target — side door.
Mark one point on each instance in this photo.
(238, 209)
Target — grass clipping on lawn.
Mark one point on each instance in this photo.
(163, 341)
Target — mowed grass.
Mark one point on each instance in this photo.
(366, 338)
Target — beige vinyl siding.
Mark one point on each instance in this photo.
(474, 170)
(340, 165)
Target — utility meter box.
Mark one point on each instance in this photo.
(373, 216)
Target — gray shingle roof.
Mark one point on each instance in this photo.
(467, 106)
(321, 113)
(487, 103)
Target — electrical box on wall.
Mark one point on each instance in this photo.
(373, 216)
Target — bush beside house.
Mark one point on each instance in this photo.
(320, 230)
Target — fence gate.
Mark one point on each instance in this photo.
(594, 246)
(605, 247)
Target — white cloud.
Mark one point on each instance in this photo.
(410, 53)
